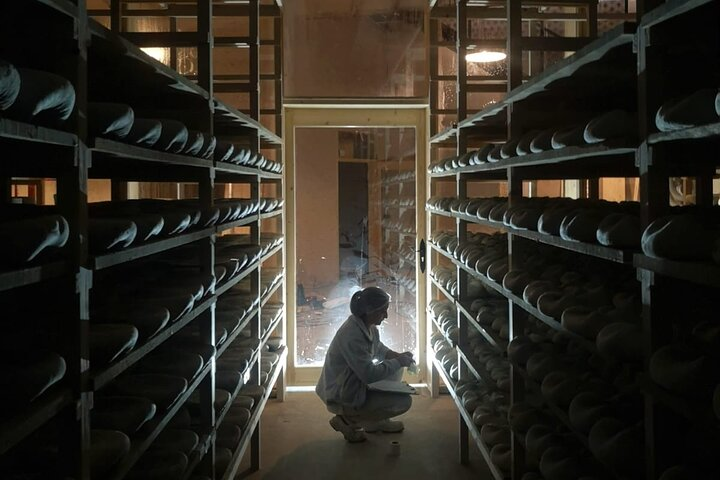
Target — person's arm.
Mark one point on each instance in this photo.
(354, 348)
(405, 358)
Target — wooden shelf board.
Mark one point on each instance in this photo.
(590, 346)
(100, 262)
(271, 291)
(486, 281)
(614, 148)
(196, 456)
(234, 334)
(16, 428)
(63, 6)
(110, 372)
(12, 129)
(621, 36)
(177, 81)
(249, 220)
(31, 275)
(478, 370)
(499, 344)
(442, 290)
(274, 213)
(226, 114)
(139, 446)
(444, 135)
(227, 285)
(711, 130)
(271, 328)
(590, 249)
(479, 221)
(594, 250)
(272, 252)
(467, 417)
(105, 149)
(441, 331)
(670, 9)
(254, 419)
(696, 272)
(233, 396)
(264, 175)
(549, 321)
(236, 169)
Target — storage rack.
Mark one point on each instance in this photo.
(260, 22)
(568, 92)
(58, 36)
(452, 26)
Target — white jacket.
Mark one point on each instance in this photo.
(349, 365)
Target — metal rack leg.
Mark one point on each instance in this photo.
(255, 449)
(464, 442)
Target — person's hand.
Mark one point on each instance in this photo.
(405, 359)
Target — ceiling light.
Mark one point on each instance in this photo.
(485, 56)
(160, 54)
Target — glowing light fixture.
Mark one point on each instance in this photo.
(485, 56)
(158, 53)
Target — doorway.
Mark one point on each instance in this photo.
(351, 193)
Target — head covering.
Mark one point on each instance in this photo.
(369, 300)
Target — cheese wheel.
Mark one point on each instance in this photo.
(157, 464)
(568, 137)
(9, 84)
(542, 141)
(585, 321)
(501, 456)
(537, 440)
(523, 144)
(612, 124)
(107, 447)
(112, 120)
(561, 463)
(698, 108)
(194, 143)
(44, 98)
(586, 408)
(110, 341)
(677, 237)
(554, 303)
(509, 148)
(582, 225)
(181, 440)
(492, 434)
(173, 137)
(559, 388)
(535, 289)
(542, 363)
(680, 369)
(124, 414)
(162, 390)
(621, 341)
(619, 230)
(618, 446)
(228, 435)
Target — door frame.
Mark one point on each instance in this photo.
(337, 115)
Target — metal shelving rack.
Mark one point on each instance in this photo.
(61, 37)
(634, 59)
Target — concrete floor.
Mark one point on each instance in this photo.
(298, 443)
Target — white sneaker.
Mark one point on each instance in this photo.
(348, 430)
(387, 426)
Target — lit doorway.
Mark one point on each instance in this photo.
(354, 177)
